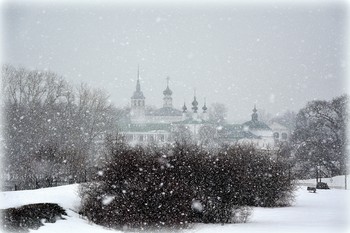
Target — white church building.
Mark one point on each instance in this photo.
(157, 126)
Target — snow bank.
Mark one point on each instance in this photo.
(66, 196)
(322, 212)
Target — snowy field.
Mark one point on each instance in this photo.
(325, 211)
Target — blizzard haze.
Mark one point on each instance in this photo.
(278, 56)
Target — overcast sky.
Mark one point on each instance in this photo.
(278, 56)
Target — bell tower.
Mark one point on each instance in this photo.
(195, 106)
(138, 102)
(167, 99)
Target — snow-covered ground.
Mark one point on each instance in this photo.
(324, 211)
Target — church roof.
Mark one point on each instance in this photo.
(138, 95)
(232, 127)
(191, 121)
(242, 134)
(184, 108)
(256, 125)
(145, 127)
(166, 111)
(236, 131)
(194, 104)
(167, 91)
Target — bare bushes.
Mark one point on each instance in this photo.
(180, 184)
(51, 129)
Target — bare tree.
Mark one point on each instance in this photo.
(287, 119)
(181, 134)
(319, 138)
(217, 113)
(31, 100)
(42, 110)
(207, 135)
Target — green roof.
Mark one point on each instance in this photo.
(233, 127)
(241, 134)
(166, 111)
(257, 125)
(236, 131)
(191, 121)
(146, 127)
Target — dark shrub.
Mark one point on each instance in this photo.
(178, 184)
(30, 216)
(138, 189)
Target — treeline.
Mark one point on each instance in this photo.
(319, 142)
(178, 184)
(51, 129)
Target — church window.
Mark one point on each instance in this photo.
(151, 138)
(161, 138)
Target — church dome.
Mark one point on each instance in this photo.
(255, 124)
(184, 108)
(194, 105)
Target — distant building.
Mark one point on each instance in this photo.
(281, 134)
(156, 126)
(262, 132)
(159, 125)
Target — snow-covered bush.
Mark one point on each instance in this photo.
(138, 189)
(30, 216)
(178, 184)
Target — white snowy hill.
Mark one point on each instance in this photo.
(325, 211)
